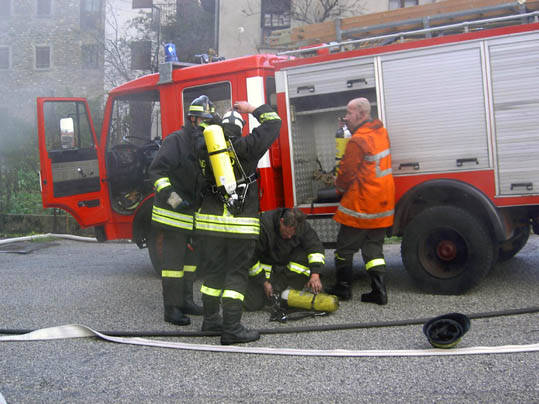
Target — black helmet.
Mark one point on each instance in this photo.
(446, 331)
(201, 107)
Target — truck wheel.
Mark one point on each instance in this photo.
(155, 248)
(447, 250)
(509, 248)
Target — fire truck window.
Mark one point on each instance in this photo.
(135, 119)
(271, 93)
(133, 141)
(220, 94)
(67, 126)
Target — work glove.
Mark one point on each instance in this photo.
(176, 201)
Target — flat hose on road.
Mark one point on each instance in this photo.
(290, 330)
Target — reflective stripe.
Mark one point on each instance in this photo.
(161, 183)
(377, 156)
(269, 116)
(376, 159)
(375, 263)
(171, 273)
(171, 218)
(255, 269)
(298, 268)
(339, 258)
(227, 224)
(196, 108)
(210, 291)
(232, 294)
(383, 173)
(316, 257)
(267, 270)
(189, 268)
(366, 215)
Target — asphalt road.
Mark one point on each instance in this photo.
(111, 286)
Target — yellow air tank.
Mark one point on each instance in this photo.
(309, 301)
(219, 158)
(342, 137)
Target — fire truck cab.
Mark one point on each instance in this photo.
(462, 112)
(102, 181)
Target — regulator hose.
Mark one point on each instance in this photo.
(290, 330)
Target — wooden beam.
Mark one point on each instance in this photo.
(326, 31)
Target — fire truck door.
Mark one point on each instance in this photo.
(70, 168)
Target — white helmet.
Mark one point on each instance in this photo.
(234, 118)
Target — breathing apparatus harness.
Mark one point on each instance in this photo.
(234, 202)
(231, 191)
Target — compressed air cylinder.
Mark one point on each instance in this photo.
(342, 137)
(219, 158)
(309, 301)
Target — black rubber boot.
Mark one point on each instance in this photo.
(341, 289)
(174, 315)
(343, 286)
(378, 294)
(212, 318)
(189, 306)
(233, 331)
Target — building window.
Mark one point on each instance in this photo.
(394, 4)
(275, 14)
(44, 8)
(141, 55)
(5, 62)
(5, 8)
(90, 56)
(43, 57)
(90, 14)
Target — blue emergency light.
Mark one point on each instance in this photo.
(170, 53)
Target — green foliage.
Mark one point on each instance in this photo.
(19, 167)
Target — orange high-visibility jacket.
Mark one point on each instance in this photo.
(365, 178)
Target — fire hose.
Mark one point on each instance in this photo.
(135, 337)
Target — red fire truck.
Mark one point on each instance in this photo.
(462, 112)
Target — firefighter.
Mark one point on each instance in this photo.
(178, 188)
(367, 205)
(288, 254)
(230, 227)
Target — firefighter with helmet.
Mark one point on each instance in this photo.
(228, 220)
(178, 189)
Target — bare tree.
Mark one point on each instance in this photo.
(315, 11)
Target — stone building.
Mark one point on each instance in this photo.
(49, 48)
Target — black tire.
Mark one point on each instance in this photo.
(447, 250)
(155, 248)
(511, 247)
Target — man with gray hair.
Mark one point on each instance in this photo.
(366, 209)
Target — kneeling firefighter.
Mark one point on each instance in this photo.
(178, 193)
(289, 258)
(228, 220)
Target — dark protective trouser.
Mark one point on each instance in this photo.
(172, 271)
(225, 264)
(349, 241)
(294, 274)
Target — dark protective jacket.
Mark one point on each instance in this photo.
(272, 250)
(175, 168)
(213, 218)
